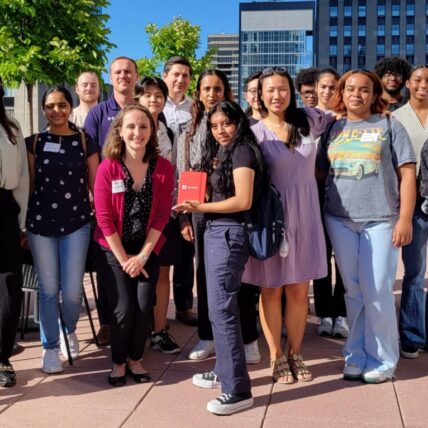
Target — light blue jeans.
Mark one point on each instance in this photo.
(60, 266)
(368, 263)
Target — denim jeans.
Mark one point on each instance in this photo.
(60, 266)
(226, 252)
(368, 263)
(413, 308)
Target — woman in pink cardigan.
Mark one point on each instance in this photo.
(133, 198)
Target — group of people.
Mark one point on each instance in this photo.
(346, 171)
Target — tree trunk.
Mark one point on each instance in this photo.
(30, 87)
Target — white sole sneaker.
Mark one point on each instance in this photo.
(375, 376)
(206, 380)
(216, 407)
(51, 362)
(202, 350)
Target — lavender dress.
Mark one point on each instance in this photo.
(293, 174)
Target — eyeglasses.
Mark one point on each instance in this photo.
(271, 70)
(307, 94)
(397, 76)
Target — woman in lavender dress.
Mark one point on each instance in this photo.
(287, 138)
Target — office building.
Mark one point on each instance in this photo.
(226, 57)
(357, 33)
(276, 34)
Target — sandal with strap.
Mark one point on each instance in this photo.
(281, 372)
(299, 369)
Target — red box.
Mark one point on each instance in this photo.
(192, 186)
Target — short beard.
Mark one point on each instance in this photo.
(394, 92)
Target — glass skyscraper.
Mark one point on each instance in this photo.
(275, 34)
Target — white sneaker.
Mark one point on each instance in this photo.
(352, 372)
(326, 327)
(252, 353)
(202, 350)
(51, 362)
(375, 376)
(73, 344)
(227, 404)
(340, 328)
(206, 380)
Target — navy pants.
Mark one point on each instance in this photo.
(226, 252)
(247, 297)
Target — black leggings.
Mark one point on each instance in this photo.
(131, 302)
(10, 274)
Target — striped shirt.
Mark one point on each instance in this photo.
(418, 133)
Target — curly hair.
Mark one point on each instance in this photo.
(393, 65)
(198, 107)
(379, 106)
(243, 136)
(307, 76)
(114, 147)
(296, 118)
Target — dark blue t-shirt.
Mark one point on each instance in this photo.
(59, 204)
(99, 119)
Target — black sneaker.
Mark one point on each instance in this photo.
(164, 342)
(409, 351)
(227, 404)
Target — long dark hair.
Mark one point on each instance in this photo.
(243, 136)
(7, 124)
(67, 96)
(296, 118)
(198, 107)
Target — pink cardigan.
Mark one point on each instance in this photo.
(109, 206)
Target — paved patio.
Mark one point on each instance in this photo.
(81, 396)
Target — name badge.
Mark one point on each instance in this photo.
(369, 137)
(52, 147)
(117, 186)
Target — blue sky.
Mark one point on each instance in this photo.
(129, 17)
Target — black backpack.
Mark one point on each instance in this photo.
(265, 223)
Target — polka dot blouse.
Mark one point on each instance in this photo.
(137, 206)
(59, 204)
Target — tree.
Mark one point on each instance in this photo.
(51, 41)
(179, 38)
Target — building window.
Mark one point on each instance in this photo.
(361, 50)
(333, 50)
(333, 11)
(333, 61)
(333, 21)
(333, 31)
(380, 49)
(380, 10)
(361, 10)
(361, 30)
(395, 29)
(395, 10)
(410, 8)
(347, 11)
(410, 49)
(410, 30)
(347, 31)
(410, 59)
(395, 49)
(381, 30)
(347, 50)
